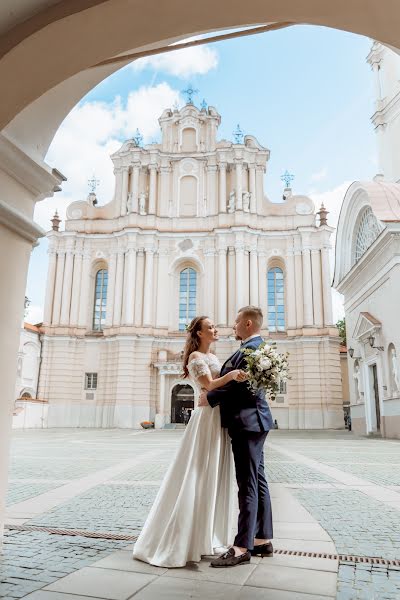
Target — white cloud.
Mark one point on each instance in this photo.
(90, 133)
(320, 175)
(34, 315)
(184, 63)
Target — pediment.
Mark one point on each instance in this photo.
(366, 324)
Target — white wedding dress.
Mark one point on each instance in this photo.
(191, 515)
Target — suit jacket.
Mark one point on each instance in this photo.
(241, 408)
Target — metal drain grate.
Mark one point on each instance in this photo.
(375, 560)
(89, 534)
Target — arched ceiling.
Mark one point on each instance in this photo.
(46, 45)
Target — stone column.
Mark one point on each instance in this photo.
(290, 297)
(118, 190)
(222, 187)
(222, 288)
(239, 268)
(152, 189)
(254, 295)
(129, 286)
(317, 287)
(162, 287)
(298, 277)
(134, 188)
(260, 189)
(165, 172)
(326, 286)
(76, 288)
(148, 288)
(67, 287)
(112, 266)
(307, 288)
(140, 277)
(118, 290)
(160, 419)
(209, 287)
(212, 207)
(252, 188)
(239, 185)
(124, 191)
(232, 295)
(58, 287)
(51, 278)
(84, 299)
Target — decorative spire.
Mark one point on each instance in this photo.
(56, 222)
(176, 106)
(93, 184)
(287, 178)
(204, 104)
(238, 135)
(137, 138)
(190, 92)
(323, 213)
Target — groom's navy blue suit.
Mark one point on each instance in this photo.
(248, 418)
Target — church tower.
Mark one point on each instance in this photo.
(188, 231)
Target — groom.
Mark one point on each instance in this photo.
(248, 418)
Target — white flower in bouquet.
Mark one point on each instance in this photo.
(266, 368)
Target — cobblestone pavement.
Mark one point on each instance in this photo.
(48, 460)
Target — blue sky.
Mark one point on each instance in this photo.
(305, 92)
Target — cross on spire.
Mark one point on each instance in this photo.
(190, 92)
(137, 138)
(287, 178)
(93, 184)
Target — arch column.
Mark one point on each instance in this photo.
(239, 271)
(162, 288)
(252, 188)
(111, 289)
(239, 185)
(124, 191)
(134, 188)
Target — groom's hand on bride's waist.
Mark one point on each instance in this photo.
(203, 398)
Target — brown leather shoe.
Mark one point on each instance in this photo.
(263, 550)
(228, 559)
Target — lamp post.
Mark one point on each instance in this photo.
(371, 340)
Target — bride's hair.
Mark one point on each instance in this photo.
(192, 341)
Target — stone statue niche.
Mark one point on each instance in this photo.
(395, 370)
(357, 375)
(246, 201)
(142, 203)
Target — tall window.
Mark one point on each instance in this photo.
(276, 301)
(100, 300)
(187, 296)
(90, 381)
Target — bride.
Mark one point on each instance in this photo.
(191, 515)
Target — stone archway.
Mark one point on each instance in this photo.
(182, 401)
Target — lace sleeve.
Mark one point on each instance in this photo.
(198, 367)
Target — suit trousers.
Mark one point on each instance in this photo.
(255, 511)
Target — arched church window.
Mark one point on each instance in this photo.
(187, 296)
(100, 300)
(189, 140)
(276, 300)
(367, 231)
(188, 196)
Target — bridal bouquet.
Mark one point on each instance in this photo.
(266, 368)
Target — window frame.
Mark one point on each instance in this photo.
(91, 380)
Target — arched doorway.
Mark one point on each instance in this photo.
(182, 403)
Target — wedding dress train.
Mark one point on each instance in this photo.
(191, 515)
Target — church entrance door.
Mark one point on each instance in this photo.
(376, 397)
(182, 403)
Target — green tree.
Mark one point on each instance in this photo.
(341, 325)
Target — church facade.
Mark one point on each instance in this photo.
(189, 231)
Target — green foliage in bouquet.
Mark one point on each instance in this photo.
(266, 368)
